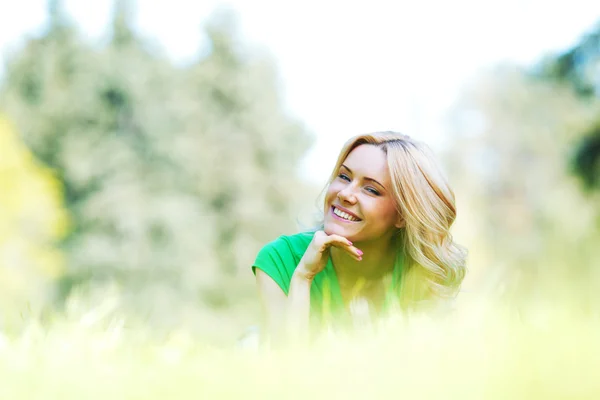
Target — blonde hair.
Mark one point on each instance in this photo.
(433, 266)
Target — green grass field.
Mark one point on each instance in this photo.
(480, 352)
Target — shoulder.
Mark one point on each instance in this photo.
(279, 258)
(289, 244)
(298, 240)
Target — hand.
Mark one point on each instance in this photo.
(317, 254)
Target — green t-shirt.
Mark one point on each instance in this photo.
(279, 259)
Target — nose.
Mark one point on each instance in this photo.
(347, 195)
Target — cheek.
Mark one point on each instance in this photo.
(385, 213)
(331, 193)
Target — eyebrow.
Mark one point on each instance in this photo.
(366, 177)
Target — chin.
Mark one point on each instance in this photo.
(331, 228)
(327, 226)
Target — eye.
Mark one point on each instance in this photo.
(373, 191)
(344, 177)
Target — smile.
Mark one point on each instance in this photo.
(343, 215)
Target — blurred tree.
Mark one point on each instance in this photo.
(32, 222)
(174, 176)
(516, 131)
(253, 147)
(580, 66)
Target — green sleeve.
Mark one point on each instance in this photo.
(277, 261)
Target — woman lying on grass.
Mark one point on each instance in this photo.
(384, 243)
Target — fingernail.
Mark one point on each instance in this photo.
(360, 253)
(359, 258)
(350, 243)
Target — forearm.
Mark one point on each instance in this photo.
(298, 306)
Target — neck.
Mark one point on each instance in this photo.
(378, 260)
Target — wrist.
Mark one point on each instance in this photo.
(302, 274)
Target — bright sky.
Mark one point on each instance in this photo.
(353, 67)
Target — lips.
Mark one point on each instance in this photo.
(342, 213)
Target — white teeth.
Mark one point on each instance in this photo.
(344, 215)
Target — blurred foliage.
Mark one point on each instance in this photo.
(482, 352)
(535, 234)
(131, 181)
(32, 222)
(137, 192)
(173, 176)
(134, 195)
(579, 66)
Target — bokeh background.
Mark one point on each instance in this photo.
(149, 149)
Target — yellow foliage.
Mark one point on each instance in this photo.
(32, 221)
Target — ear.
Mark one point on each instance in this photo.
(400, 222)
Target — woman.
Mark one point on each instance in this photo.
(384, 242)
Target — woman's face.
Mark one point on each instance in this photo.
(359, 203)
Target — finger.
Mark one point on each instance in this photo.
(333, 238)
(324, 241)
(355, 252)
(321, 241)
(345, 244)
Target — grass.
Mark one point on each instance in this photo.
(481, 352)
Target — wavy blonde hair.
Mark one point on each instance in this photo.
(433, 265)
